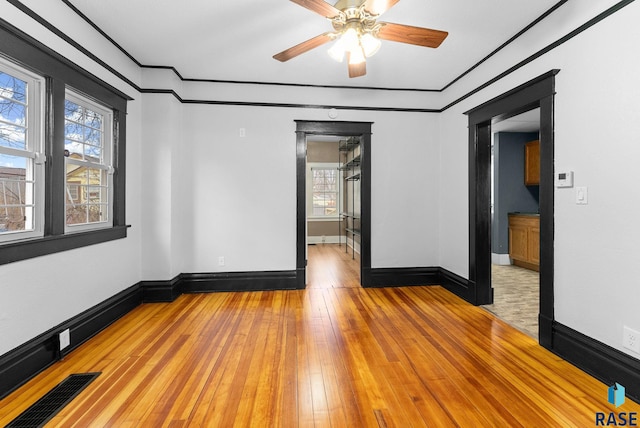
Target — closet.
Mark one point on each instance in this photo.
(350, 165)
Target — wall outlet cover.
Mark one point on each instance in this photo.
(631, 339)
(64, 338)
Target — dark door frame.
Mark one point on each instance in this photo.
(538, 92)
(305, 128)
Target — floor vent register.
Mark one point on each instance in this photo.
(43, 410)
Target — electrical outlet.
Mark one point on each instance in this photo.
(64, 338)
(631, 339)
(221, 261)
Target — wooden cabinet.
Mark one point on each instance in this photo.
(524, 240)
(532, 163)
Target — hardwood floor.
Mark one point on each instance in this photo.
(324, 356)
(330, 266)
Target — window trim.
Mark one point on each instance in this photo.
(59, 73)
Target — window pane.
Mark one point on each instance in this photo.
(76, 214)
(75, 148)
(318, 211)
(73, 111)
(83, 133)
(86, 194)
(318, 200)
(14, 136)
(97, 194)
(93, 119)
(92, 153)
(16, 195)
(97, 213)
(13, 88)
(13, 112)
(96, 176)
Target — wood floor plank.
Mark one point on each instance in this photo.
(333, 354)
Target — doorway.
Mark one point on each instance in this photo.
(306, 130)
(515, 230)
(537, 93)
(333, 211)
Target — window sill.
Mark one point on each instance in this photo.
(23, 250)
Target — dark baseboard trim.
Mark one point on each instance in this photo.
(599, 360)
(239, 281)
(29, 359)
(545, 331)
(399, 277)
(168, 291)
(458, 285)
(301, 278)
(161, 291)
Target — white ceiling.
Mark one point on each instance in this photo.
(236, 39)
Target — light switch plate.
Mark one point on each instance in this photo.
(582, 195)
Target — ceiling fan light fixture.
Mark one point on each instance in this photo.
(357, 32)
(370, 44)
(356, 56)
(350, 40)
(337, 50)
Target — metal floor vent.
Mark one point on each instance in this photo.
(53, 401)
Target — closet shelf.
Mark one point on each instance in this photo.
(353, 231)
(348, 144)
(353, 163)
(353, 216)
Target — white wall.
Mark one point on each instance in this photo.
(597, 135)
(161, 144)
(239, 193)
(39, 293)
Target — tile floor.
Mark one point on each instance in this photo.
(516, 297)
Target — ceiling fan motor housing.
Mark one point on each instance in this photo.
(358, 19)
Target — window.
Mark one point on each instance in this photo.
(87, 151)
(21, 159)
(325, 187)
(62, 153)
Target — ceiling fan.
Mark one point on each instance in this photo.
(357, 32)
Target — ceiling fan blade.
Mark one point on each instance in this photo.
(319, 6)
(303, 47)
(357, 70)
(412, 35)
(378, 7)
